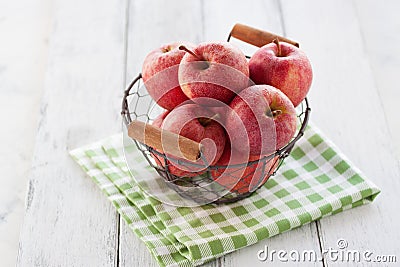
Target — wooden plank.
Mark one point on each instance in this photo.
(133, 252)
(347, 106)
(263, 15)
(379, 24)
(23, 27)
(152, 23)
(68, 221)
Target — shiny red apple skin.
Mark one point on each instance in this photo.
(242, 179)
(224, 73)
(291, 72)
(184, 120)
(160, 75)
(255, 130)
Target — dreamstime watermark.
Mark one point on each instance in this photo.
(339, 254)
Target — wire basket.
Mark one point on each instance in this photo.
(216, 184)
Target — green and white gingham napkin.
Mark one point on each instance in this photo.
(315, 181)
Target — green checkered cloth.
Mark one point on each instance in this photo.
(315, 181)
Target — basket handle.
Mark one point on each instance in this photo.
(255, 36)
(164, 141)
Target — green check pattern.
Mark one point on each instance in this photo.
(315, 181)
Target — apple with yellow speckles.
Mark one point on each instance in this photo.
(160, 75)
(283, 66)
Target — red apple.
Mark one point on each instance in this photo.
(160, 118)
(261, 120)
(283, 66)
(221, 112)
(213, 71)
(239, 178)
(160, 75)
(196, 123)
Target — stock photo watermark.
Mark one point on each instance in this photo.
(339, 254)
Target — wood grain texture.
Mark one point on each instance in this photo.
(97, 48)
(132, 251)
(164, 141)
(345, 92)
(379, 26)
(24, 26)
(68, 221)
(257, 37)
(262, 15)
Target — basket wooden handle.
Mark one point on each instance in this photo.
(255, 36)
(164, 141)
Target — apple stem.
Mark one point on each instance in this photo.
(273, 113)
(184, 48)
(276, 41)
(206, 121)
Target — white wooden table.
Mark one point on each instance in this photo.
(97, 47)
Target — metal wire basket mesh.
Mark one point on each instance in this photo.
(237, 181)
(203, 183)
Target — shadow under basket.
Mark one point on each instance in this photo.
(208, 184)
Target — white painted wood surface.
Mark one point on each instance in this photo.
(379, 25)
(24, 27)
(68, 221)
(93, 48)
(345, 92)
